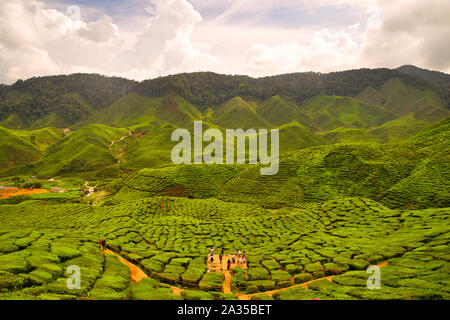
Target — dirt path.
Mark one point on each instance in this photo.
(305, 284)
(136, 273)
(116, 141)
(216, 266)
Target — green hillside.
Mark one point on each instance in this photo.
(402, 99)
(134, 110)
(279, 111)
(399, 129)
(237, 113)
(294, 136)
(152, 149)
(372, 96)
(84, 150)
(63, 99)
(13, 121)
(326, 172)
(18, 147)
(330, 112)
(349, 135)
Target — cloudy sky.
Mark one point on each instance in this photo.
(141, 39)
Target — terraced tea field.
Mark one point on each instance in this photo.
(362, 184)
(168, 238)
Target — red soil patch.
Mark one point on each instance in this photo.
(18, 192)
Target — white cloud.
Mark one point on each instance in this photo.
(102, 30)
(321, 50)
(36, 40)
(167, 46)
(409, 32)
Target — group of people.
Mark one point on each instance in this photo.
(238, 257)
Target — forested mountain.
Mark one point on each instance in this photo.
(62, 101)
(208, 89)
(310, 109)
(58, 100)
(435, 77)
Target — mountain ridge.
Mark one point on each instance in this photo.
(67, 99)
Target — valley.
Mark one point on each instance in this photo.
(363, 180)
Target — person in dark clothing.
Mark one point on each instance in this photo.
(220, 258)
(102, 243)
(228, 264)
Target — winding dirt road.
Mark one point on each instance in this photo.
(137, 275)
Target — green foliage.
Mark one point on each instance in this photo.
(330, 112)
(340, 202)
(211, 282)
(237, 113)
(58, 100)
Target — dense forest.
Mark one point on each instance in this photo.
(72, 97)
(208, 89)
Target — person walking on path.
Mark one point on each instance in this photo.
(220, 259)
(102, 242)
(228, 264)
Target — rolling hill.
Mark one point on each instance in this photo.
(80, 151)
(330, 112)
(237, 113)
(19, 147)
(135, 110)
(349, 135)
(279, 111)
(413, 173)
(378, 105)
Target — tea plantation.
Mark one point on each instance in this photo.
(363, 181)
(169, 238)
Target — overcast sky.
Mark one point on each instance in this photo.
(141, 39)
